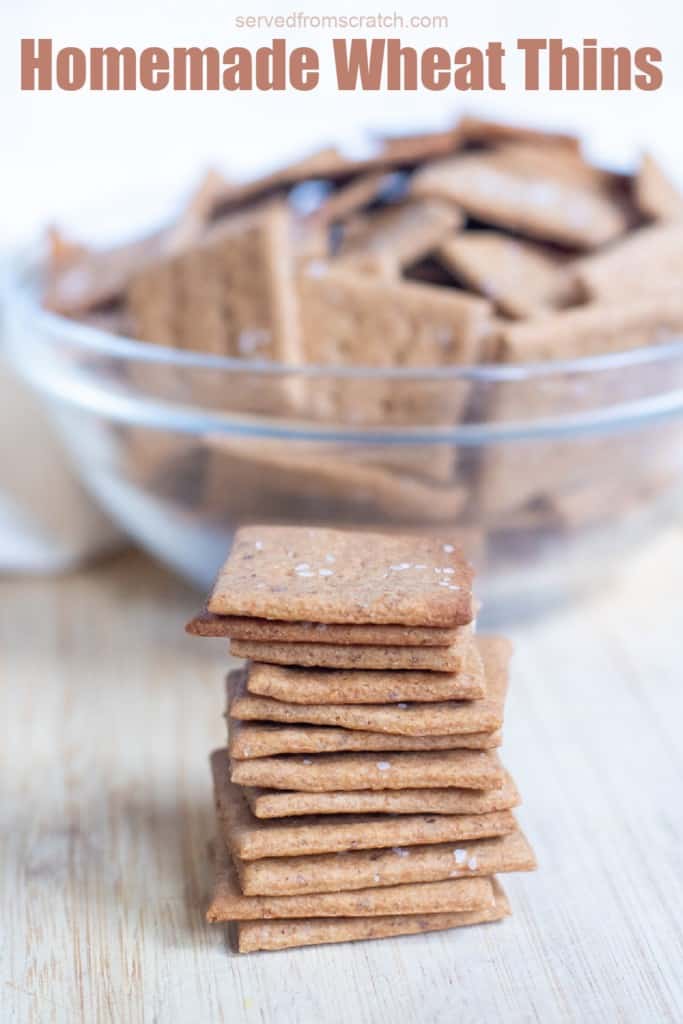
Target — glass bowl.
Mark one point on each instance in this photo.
(551, 474)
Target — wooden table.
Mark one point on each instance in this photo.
(108, 713)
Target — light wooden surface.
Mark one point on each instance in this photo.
(108, 713)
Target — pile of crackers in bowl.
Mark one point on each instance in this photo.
(361, 795)
(371, 280)
(482, 243)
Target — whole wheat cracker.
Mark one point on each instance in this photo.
(655, 194)
(265, 739)
(98, 277)
(351, 318)
(298, 483)
(521, 278)
(355, 656)
(243, 628)
(326, 575)
(645, 261)
(90, 279)
(230, 294)
(251, 838)
(400, 234)
(437, 718)
(350, 197)
(272, 803)
(331, 164)
(229, 904)
(256, 935)
(323, 773)
(355, 686)
(595, 328)
(364, 869)
(529, 191)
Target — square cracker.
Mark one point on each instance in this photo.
(232, 294)
(239, 627)
(356, 656)
(536, 191)
(593, 329)
(307, 481)
(400, 234)
(325, 773)
(252, 838)
(350, 318)
(284, 934)
(264, 739)
(271, 803)
(436, 718)
(350, 577)
(646, 261)
(229, 904)
(364, 869)
(522, 279)
(356, 686)
(300, 481)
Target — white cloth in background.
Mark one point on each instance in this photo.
(47, 521)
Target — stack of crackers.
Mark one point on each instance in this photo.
(361, 794)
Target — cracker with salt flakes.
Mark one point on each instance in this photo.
(529, 191)
(228, 903)
(231, 294)
(392, 238)
(265, 739)
(241, 627)
(250, 838)
(648, 261)
(320, 773)
(273, 803)
(438, 718)
(365, 869)
(356, 686)
(285, 934)
(356, 656)
(522, 279)
(327, 575)
(351, 318)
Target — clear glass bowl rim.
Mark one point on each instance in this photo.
(21, 302)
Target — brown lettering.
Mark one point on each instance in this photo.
(39, 61)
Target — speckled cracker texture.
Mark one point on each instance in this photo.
(349, 686)
(251, 838)
(355, 318)
(324, 575)
(265, 739)
(285, 934)
(271, 803)
(647, 261)
(400, 234)
(540, 192)
(265, 630)
(452, 895)
(231, 294)
(436, 718)
(522, 279)
(364, 869)
(596, 328)
(322, 773)
(356, 656)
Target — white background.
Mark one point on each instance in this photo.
(66, 154)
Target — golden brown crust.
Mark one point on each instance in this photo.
(326, 575)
